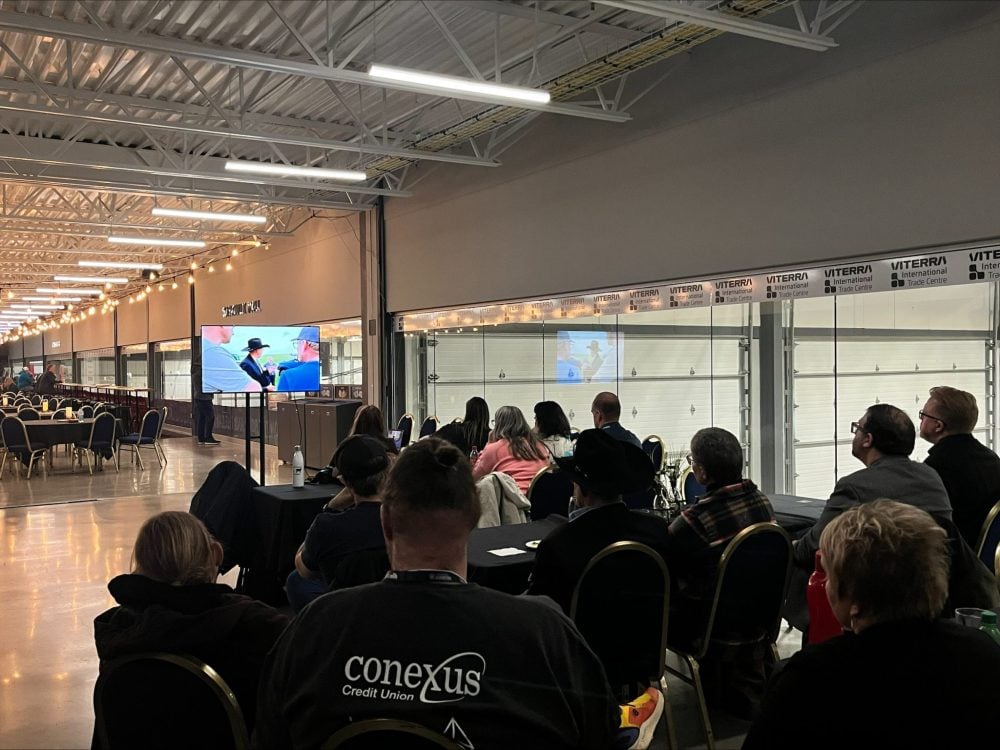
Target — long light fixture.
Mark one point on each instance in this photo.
(29, 308)
(47, 299)
(156, 241)
(89, 279)
(285, 170)
(121, 264)
(457, 84)
(179, 213)
(52, 290)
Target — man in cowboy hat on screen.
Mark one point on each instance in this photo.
(302, 374)
(251, 363)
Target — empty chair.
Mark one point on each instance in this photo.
(375, 734)
(86, 411)
(100, 441)
(28, 413)
(146, 437)
(19, 447)
(657, 452)
(35, 399)
(164, 701)
(100, 408)
(988, 545)
(550, 492)
(746, 607)
(405, 427)
(428, 427)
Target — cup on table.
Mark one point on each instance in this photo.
(969, 616)
(45, 405)
(69, 412)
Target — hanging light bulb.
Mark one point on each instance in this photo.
(174, 285)
(190, 279)
(229, 266)
(193, 265)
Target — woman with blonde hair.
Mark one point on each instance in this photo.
(897, 677)
(171, 602)
(513, 449)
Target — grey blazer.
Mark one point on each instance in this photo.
(889, 478)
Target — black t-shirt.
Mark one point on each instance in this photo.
(336, 535)
(490, 670)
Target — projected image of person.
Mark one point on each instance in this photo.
(252, 365)
(569, 369)
(302, 373)
(220, 371)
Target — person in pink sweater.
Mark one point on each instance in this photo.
(513, 449)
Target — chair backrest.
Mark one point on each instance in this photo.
(53, 403)
(163, 421)
(405, 427)
(989, 539)
(102, 431)
(15, 434)
(375, 734)
(691, 488)
(86, 411)
(428, 427)
(100, 408)
(221, 503)
(550, 492)
(632, 578)
(157, 700)
(28, 412)
(150, 427)
(750, 587)
(656, 450)
(36, 399)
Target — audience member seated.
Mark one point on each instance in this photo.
(602, 469)
(970, 471)
(513, 449)
(485, 668)
(897, 677)
(47, 383)
(345, 548)
(368, 420)
(552, 428)
(473, 432)
(607, 410)
(883, 441)
(171, 602)
(733, 676)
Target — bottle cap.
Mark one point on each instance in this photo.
(988, 617)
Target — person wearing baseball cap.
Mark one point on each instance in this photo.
(345, 547)
(251, 363)
(602, 470)
(305, 374)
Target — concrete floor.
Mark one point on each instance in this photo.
(63, 537)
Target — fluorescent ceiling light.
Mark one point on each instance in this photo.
(121, 264)
(284, 170)
(209, 215)
(153, 241)
(36, 307)
(89, 279)
(46, 299)
(458, 84)
(52, 290)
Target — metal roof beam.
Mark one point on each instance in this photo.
(26, 23)
(545, 16)
(683, 13)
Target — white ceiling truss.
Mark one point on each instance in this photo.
(109, 107)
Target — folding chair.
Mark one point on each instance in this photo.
(149, 430)
(19, 447)
(102, 438)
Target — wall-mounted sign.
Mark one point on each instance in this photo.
(56, 344)
(241, 308)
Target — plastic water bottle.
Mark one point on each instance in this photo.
(474, 455)
(988, 624)
(298, 468)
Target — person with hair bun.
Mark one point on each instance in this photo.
(898, 677)
(171, 602)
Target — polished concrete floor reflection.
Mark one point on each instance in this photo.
(63, 537)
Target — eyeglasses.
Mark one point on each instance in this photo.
(925, 415)
(855, 426)
(691, 460)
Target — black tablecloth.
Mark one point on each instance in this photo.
(280, 517)
(796, 514)
(507, 573)
(57, 431)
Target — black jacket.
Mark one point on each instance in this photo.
(971, 475)
(46, 384)
(250, 366)
(230, 632)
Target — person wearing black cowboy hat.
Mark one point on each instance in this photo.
(251, 363)
(602, 469)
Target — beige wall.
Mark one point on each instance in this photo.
(170, 312)
(313, 276)
(761, 156)
(33, 346)
(95, 332)
(59, 341)
(132, 322)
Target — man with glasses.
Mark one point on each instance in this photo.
(970, 471)
(883, 441)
